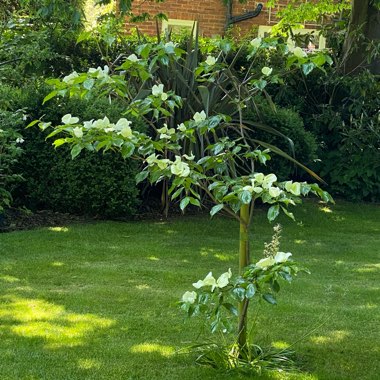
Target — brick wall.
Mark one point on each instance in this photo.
(211, 14)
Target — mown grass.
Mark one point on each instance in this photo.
(97, 301)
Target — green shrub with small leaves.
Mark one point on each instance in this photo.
(10, 152)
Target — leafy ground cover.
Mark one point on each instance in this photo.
(97, 301)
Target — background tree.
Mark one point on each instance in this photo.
(361, 48)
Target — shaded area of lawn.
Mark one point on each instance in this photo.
(98, 301)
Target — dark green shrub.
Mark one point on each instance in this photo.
(290, 124)
(94, 184)
(350, 155)
(10, 151)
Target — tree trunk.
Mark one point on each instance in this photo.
(363, 28)
(243, 262)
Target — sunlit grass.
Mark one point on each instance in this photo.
(99, 301)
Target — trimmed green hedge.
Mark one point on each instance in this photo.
(93, 184)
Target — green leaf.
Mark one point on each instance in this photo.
(84, 36)
(34, 122)
(141, 176)
(177, 193)
(50, 96)
(246, 197)
(88, 84)
(269, 298)
(185, 201)
(273, 212)
(195, 202)
(307, 68)
(127, 149)
(288, 213)
(59, 142)
(250, 291)
(239, 293)
(75, 151)
(231, 308)
(275, 286)
(216, 209)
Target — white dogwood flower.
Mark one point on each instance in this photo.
(181, 127)
(268, 180)
(281, 257)
(266, 262)
(69, 79)
(223, 279)
(274, 192)
(199, 116)
(210, 61)
(180, 168)
(294, 188)
(267, 70)
(133, 58)
(78, 132)
(68, 119)
(299, 52)
(256, 42)
(189, 297)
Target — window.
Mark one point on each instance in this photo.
(317, 42)
(178, 25)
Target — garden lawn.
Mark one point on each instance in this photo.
(98, 301)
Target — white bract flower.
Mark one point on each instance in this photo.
(248, 188)
(78, 132)
(126, 132)
(259, 178)
(123, 126)
(157, 89)
(281, 257)
(190, 158)
(267, 70)
(189, 297)
(163, 164)
(123, 123)
(19, 140)
(299, 52)
(181, 127)
(68, 119)
(256, 42)
(88, 124)
(101, 123)
(151, 159)
(69, 79)
(294, 188)
(179, 168)
(165, 132)
(266, 262)
(133, 58)
(274, 192)
(210, 61)
(268, 180)
(199, 116)
(100, 73)
(209, 280)
(223, 279)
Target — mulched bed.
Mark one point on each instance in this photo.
(20, 219)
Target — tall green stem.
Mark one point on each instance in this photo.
(243, 262)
